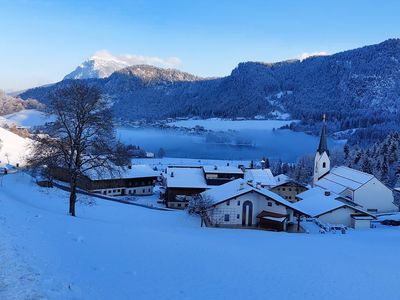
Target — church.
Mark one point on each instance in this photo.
(343, 195)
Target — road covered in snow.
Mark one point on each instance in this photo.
(117, 251)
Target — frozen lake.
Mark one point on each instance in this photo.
(245, 143)
(230, 140)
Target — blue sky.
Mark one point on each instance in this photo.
(43, 40)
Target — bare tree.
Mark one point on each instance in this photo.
(80, 139)
(200, 204)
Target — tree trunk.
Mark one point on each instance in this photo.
(72, 196)
(202, 221)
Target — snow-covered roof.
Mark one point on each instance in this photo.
(281, 179)
(222, 170)
(136, 171)
(239, 187)
(342, 178)
(177, 177)
(262, 176)
(318, 201)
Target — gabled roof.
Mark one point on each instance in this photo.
(181, 177)
(240, 187)
(318, 201)
(136, 171)
(222, 170)
(261, 176)
(342, 178)
(282, 179)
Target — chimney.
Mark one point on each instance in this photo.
(327, 193)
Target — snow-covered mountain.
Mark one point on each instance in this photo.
(97, 66)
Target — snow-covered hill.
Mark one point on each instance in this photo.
(13, 148)
(118, 251)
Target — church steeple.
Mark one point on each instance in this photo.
(323, 146)
(322, 163)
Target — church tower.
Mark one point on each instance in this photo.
(322, 163)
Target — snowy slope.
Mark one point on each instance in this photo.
(13, 148)
(115, 251)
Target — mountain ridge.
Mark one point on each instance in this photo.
(356, 88)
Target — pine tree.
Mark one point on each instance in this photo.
(384, 172)
(267, 163)
(346, 151)
(366, 165)
(357, 157)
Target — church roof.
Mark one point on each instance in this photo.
(318, 201)
(323, 146)
(342, 178)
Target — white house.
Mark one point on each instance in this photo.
(329, 209)
(241, 204)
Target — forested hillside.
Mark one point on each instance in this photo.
(357, 89)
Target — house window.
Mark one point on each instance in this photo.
(226, 218)
(149, 190)
(290, 189)
(283, 189)
(179, 205)
(269, 203)
(227, 203)
(109, 191)
(239, 203)
(324, 164)
(237, 216)
(119, 190)
(104, 192)
(144, 190)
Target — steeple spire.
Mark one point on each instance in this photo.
(323, 146)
